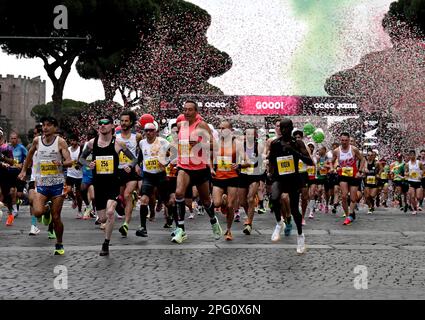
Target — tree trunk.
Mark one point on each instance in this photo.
(57, 99)
(109, 88)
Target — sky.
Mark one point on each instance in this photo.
(278, 47)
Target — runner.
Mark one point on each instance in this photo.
(323, 165)
(19, 155)
(87, 189)
(74, 176)
(333, 181)
(285, 152)
(383, 182)
(311, 182)
(105, 150)
(6, 161)
(51, 150)
(373, 171)
(422, 159)
(349, 174)
(153, 158)
(195, 143)
(251, 173)
(414, 172)
(128, 173)
(397, 173)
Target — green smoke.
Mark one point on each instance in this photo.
(315, 58)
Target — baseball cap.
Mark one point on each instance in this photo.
(150, 126)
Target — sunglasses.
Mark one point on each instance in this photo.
(104, 121)
(149, 130)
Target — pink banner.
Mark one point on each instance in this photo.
(284, 105)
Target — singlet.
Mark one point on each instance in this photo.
(86, 169)
(131, 144)
(385, 172)
(49, 174)
(186, 157)
(283, 161)
(154, 154)
(348, 163)
(254, 159)
(371, 175)
(322, 171)
(72, 172)
(106, 169)
(397, 169)
(224, 163)
(423, 172)
(415, 172)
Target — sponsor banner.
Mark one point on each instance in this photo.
(330, 106)
(267, 105)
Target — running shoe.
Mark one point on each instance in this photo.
(201, 211)
(141, 232)
(217, 231)
(10, 219)
(334, 210)
(168, 225)
(59, 250)
(288, 229)
(261, 211)
(348, 220)
(123, 229)
(405, 208)
(46, 218)
(87, 213)
(414, 213)
(51, 235)
(105, 250)
(277, 231)
(179, 236)
(369, 211)
(192, 215)
(247, 229)
(419, 208)
(237, 217)
(228, 235)
(301, 244)
(34, 230)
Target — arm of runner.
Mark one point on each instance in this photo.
(63, 149)
(28, 159)
(121, 148)
(303, 153)
(86, 152)
(362, 167)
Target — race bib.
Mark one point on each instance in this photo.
(370, 180)
(47, 168)
(414, 175)
(310, 171)
(248, 170)
(323, 172)
(384, 176)
(104, 164)
(152, 165)
(301, 166)
(224, 163)
(15, 162)
(124, 159)
(285, 165)
(348, 171)
(184, 148)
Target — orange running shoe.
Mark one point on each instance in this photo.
(10, 219)
(228, 235)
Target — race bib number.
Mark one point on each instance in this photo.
(310, 171)
(15, 162)
(348, 171)
(414, 175)
(47, 168)
(104, 164)
(301, 167)
(224, 163)
(285, 165)
(248, 170)
(124, 159)
(384, 176)
(370, 180)
(152, 165)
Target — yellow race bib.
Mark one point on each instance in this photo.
(152, 165)
(285, 165)
(310, 170)
(104, 164)
(414, 175)
(48, 168)
(347, 171)
(124, 159)
(184, 148)
(384, 175)
(370, 180)
(224, 163)
(248, 170)
(323, 172)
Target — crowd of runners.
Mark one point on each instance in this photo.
(207, 172)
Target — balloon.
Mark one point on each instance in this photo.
(308, 129)
(146, 118)
(118, 129)
(318, 136)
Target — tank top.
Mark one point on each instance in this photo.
(254, 159)
(49, 174)
(348, 163)
(131, 144)
(107, 160)
(224, 164)
(154, 154)
(322, 171)
(372, 172)
(72, 172)
(415, 172)
(397, 170)
(385, 172)
(186, 157)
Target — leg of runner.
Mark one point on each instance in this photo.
(31, 192)
(109, 214)
(183, 180)
(57, 203)
(204, 195)
(142, 231)
(232, 204)
(286, 213)
(127, 193)
(344, 197)
(276, 208)
(250, 200)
